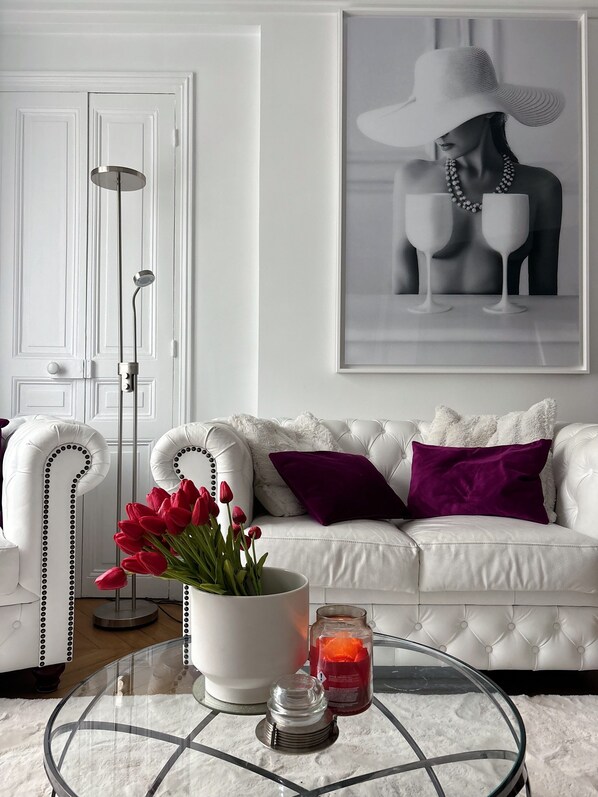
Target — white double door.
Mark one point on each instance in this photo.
(59, 280)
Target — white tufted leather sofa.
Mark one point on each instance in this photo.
(47, 464)
(498, 593)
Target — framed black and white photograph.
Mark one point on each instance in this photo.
(463, 201)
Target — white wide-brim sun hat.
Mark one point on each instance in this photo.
(451, 86)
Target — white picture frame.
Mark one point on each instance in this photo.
(376, 332)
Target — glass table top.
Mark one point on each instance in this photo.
(436, 727)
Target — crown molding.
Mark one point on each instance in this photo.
(114, 8)
(232, 17)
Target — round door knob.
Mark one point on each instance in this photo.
(52, 368)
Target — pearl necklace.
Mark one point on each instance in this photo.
(456, 190)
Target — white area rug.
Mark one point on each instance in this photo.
(561, 752)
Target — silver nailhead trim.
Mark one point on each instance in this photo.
(213, 480)
(43, 601)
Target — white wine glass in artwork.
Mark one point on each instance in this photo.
(428, 226)
(505, 225)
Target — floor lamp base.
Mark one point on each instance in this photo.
(106, 616)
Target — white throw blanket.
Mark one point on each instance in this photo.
(305, 433)
(449, 428)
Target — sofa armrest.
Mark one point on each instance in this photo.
(47, 464)
(207, 453)
(576, 476)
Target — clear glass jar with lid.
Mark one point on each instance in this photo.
(340, 656)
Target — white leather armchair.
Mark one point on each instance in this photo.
(47, 464)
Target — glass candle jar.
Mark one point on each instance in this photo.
(340, 657)
(297, 719)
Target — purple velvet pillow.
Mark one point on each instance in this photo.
(493, 480)
(3, 422)
(335, 486)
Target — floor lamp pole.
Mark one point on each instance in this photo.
(141, 279)
(121, 357)
(139, 613)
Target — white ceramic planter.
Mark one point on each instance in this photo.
(243, 644)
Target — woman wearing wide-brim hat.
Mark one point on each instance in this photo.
(458, 103)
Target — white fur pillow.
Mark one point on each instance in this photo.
(451, 429)
(305, 433)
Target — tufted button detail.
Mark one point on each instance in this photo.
(464, 624)
(556, 626)
(581, 649)
(488, 648)
(511, 626)
(442, 648)
(418, 626)
(535, 649)
(16, 624)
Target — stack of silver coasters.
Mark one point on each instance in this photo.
(298, 719)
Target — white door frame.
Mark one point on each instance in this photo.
(181, 85)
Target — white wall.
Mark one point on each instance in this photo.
(265, 310)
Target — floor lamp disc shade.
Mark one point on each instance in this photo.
(107, 177)
(124, 612)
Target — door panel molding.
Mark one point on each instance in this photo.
(40, 263)
(104, 401)
(40, 397)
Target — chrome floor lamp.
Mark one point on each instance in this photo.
(125, 612)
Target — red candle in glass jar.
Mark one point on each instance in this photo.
(343, 665)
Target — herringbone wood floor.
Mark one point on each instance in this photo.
(95, 647)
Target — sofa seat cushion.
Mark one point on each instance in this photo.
(9, 566)
(478, 552)
(357, 554)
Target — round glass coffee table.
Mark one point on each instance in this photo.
(436, 727)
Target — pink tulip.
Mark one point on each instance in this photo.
(154, 562)
(127, 544)
(238, 515)
(136, 511)
(153, 524)
(133, 564)
(190, 490)
(164, 514)
(181, 517)
(131, 528)
(155, 497)
(254, 532)
(236, 530)
(165, 506)
(180, 500)
(176, 518)
(213, 507)
(226, 494)
(201, 512)
(115, 578)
